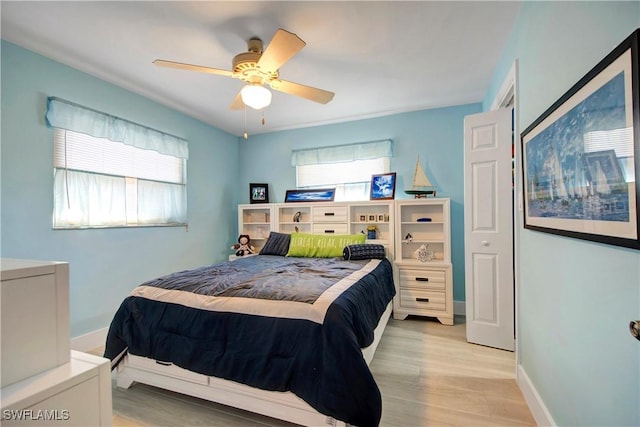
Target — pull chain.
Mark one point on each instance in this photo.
(245, 135)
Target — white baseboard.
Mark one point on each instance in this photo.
(459, 308)
(90, 341)
(536, 405)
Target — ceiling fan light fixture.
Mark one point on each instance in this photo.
(255, 96)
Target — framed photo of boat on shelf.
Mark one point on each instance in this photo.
(383, 187)
(580, 157)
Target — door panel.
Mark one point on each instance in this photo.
(488, 229)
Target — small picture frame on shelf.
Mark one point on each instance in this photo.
(383, 186)
(380, 217)
(372, 217)
(258, 193)
(363, 218)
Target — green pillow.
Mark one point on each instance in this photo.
(321, 245)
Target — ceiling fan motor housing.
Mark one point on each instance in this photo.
(245, 65)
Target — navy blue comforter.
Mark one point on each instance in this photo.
(243, 327)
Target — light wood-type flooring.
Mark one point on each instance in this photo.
(427, 373)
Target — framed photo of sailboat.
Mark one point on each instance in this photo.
(580, 157)
(383, 187)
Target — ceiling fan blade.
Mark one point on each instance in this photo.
(190, 67)
(282, 47)
(307, 92)
(237, 103)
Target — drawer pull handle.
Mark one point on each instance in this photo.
(422, 299)
(329, 231)
(422, 279)
(164, 363)
(329, 214)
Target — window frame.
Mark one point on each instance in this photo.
(61, 223)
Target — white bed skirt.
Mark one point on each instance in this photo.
(281, 405)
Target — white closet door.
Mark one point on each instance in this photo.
(489, 288)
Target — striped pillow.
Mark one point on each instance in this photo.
(277, 244)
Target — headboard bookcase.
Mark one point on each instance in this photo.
(424, 286)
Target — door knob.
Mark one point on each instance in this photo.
(485, 243)
(634, 328)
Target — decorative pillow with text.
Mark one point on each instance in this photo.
(322, 245)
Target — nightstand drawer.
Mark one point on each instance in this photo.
(427, 300)
(330, 214)
(423, 279)
(330, 228)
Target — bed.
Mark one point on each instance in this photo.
(290, 337)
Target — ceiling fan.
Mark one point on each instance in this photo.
(258, 68)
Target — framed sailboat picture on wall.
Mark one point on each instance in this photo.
(580, 158)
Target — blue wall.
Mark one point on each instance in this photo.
(437, 136)
(575, 298)
(97, 285)
(105, 264)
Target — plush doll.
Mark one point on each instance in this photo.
(243, 247)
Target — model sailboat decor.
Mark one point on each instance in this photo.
(421, 185)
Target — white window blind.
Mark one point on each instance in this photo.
(347, 167)
(73, 150)
(352, 180)
(102, 183)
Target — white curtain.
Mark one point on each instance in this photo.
(88, 200)
(161, 202)
(64, 114)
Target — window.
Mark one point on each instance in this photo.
(348, 168)
(109, 172)
(352, 180)
(101, 183)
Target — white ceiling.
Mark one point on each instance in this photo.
(379, 58)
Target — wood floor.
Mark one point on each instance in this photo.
(427, 373)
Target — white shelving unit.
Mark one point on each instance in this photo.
(423, 288)
(319, 218)
(377, 213)
(293, 218)
(256, 221)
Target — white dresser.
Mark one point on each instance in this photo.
(34, 317)
(77, 393)
(43, 381)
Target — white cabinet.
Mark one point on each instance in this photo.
(34, 317)
(77, 393)
(424, 288)
(329, 219)
(256, 221)
(43, 381)
(319, 218)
